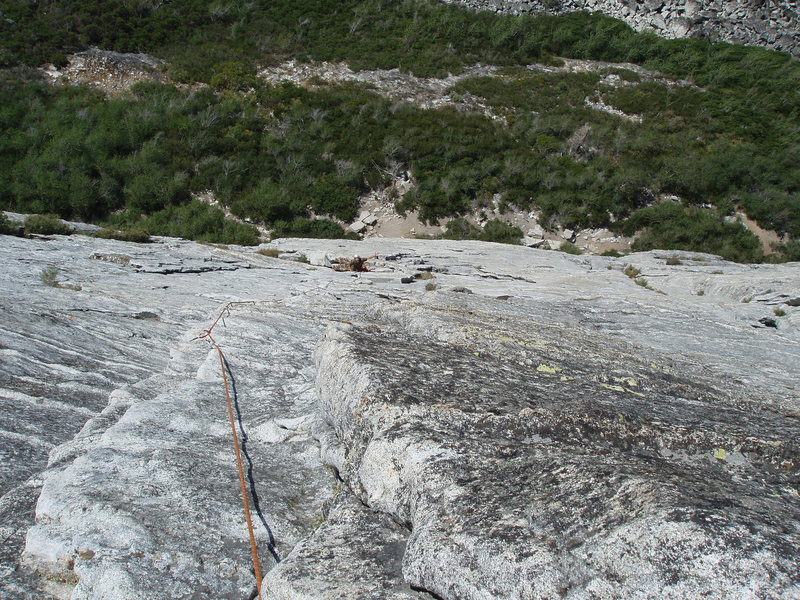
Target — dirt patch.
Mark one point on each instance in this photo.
(765, 236)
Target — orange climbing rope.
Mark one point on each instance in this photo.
(207, 335)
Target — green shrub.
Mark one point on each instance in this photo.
(632, 271)
(669, 225)
(7, 227)
(311, 228)
(48, 276)
(233, 76)
(787, 251)
(46, 225)
(331, 195)
(570, 248)
(197, 221)
(779, 312)
(494, 230)
(276, 154)
(673, 260)
(139, 236)
(461, 229)
(270, 252)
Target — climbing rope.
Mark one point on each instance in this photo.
(223, 367)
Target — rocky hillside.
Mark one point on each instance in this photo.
(462, 420)
(754, 22)
(297, 118)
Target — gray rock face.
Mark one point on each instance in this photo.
(355, 553)
(531, 468)
(558, 432)
(774, 25)
(111, 71)
(72, 356)
(170, 501)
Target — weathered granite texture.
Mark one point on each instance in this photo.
(110, 71)
(560, 431)
(532, 462)
(75, 355)
(772, 24)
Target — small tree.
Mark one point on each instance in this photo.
(233, 76)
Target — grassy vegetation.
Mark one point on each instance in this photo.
(140, 236)
(48, 276)
(283, 155)
(7, 227)
(569, 248)
(494, 230)
(632, 271)
(46, 225)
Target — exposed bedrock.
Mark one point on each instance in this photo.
(771, 24)
(151, 509)
(529, 462)
(511, 423)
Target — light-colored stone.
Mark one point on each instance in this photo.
(532, 242)
(515, 492)
(553, 244)
(140, 497)
(536, 231)
(752, 22)
(357, 226)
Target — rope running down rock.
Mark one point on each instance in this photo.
(207, 335)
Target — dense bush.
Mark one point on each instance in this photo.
(140, 236)
(789, 251)
(494, 230)
(280, 153)
(46, 225)
(310, 228)
(233, 76)
(668, 225)
(569, 248)
(197, 221)
(7, 227)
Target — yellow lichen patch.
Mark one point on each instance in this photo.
(548, 369)
(524, 343)
(619, 388)
(566, 378)
(616, 388)
(720, 454)
(629, 381)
